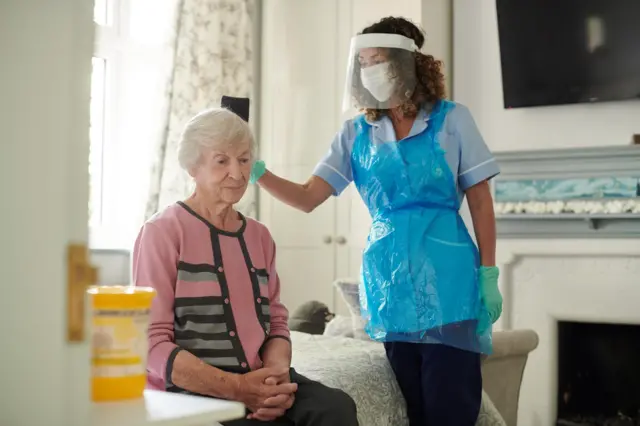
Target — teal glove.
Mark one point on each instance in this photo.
(258, 169)
(490, 297)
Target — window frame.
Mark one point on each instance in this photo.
(115, 44)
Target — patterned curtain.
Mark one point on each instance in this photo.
(213, 57)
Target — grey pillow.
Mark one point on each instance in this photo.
(350, 290)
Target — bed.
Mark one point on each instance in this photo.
(359, 367)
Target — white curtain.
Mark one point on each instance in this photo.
(213, 57)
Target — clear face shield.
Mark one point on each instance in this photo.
(381, 71)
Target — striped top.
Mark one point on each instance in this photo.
(218, 293)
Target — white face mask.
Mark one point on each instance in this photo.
(375, 79)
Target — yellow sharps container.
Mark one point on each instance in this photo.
(120, 320)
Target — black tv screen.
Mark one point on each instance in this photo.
(557, 52)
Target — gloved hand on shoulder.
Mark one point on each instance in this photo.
(259, 168)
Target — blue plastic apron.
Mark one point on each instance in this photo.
(420, 266)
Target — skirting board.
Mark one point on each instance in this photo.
(581, 165)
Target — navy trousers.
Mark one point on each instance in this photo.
(442, 385)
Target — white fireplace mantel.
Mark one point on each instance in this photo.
(567, 165)
(546, 281)
(511, 252)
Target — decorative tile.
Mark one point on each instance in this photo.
(601, 188)
(569, 193)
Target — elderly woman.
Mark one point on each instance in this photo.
(218, 327)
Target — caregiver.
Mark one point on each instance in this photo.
(426, 290)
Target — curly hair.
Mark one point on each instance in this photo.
(430, 81)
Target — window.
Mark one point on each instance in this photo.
(102, 10)
(132, 66)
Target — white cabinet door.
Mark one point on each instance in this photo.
(46, 48)
(304, 51)
(298, 122)
(353, 227)
(353, 219)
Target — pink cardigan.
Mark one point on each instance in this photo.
(218, 293)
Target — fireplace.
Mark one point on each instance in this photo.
(598, 374)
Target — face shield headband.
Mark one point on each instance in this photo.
(380, 71)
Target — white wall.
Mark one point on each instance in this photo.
(114, 266)
(437, 20)
(477, 81)
(536, 276)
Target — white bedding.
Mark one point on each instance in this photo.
(360, 368)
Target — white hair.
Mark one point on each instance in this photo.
(215, 128)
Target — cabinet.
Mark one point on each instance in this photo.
(304, 51)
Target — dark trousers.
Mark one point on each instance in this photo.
(315, 405)
(442, 385)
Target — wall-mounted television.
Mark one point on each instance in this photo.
(556, 52)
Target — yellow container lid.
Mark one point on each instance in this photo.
(121, 297)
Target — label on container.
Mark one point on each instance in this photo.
(119, 342)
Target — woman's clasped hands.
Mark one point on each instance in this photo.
(268, 392)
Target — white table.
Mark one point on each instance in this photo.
(165, 409)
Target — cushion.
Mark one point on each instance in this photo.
(339, 326)
(349, 290)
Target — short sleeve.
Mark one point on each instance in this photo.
(477, 164)
(335, 167)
